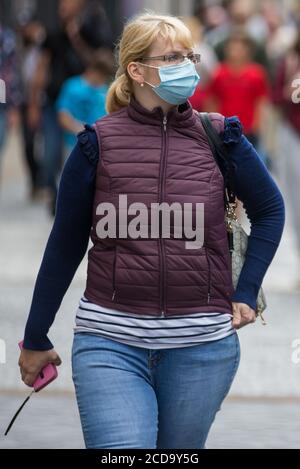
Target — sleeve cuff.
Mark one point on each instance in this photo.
(38, 344)
(242, 298)
(233, 130)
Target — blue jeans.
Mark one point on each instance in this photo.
(132, 397)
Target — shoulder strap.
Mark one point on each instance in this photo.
(221, 155)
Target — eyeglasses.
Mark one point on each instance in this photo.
(175, 58)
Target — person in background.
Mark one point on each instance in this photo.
(239, 86)
(9, 109)
(286, 97)
(215, 20)
(242, 16)
(65, 53)
(82, 97)
(31, 34)
(208, 62)
(280, 35)
(239, 14)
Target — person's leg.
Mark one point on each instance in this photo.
(191, 384)
(3, 131)
(52, 149)
(116, 400)
(30, 157)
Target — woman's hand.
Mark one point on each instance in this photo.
(31, 363)
(242, 315)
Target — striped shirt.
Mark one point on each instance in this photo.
(152, 332)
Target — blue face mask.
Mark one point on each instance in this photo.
(177, 82)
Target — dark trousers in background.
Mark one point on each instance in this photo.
(31, 154)
(53, 149)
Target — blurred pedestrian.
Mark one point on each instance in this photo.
(9, 73)
(207, 64)
(82, 97)
(279, 36)
(239, 86)
(286, 96)
(65, 53)
(31, 35)
(240, 15)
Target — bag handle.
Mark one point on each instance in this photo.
(222, 157)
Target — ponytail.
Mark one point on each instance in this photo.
(119, 93)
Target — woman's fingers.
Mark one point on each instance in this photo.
(32, 362)
(242, 315)
(30, 378)
(57, 361)
(236, 316)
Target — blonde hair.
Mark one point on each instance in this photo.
(139, 33)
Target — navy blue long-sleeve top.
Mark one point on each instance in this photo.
(69, 236)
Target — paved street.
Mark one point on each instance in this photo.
(52, 422)
(263, 409)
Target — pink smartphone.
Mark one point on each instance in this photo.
(46, 375)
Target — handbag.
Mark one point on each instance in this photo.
(237, 236)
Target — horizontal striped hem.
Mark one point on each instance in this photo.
(151, 345)
(152, 332)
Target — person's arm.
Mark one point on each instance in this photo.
(264, 206)
(68, 240)
(68, 123)
(64, 105)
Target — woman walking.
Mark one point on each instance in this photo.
(155, 347)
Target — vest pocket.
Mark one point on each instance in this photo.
(114, 275)
(209, 276)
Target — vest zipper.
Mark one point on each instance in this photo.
(114, 275)
(209, 277)
(165, 123)
(161, 193)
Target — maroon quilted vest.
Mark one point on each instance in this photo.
(155, 159)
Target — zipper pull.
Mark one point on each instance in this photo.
(165, 123)
(208, 297)
(113, 295)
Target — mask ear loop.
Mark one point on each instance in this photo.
(152, 66)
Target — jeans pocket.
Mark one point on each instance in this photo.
(236, 359)
(235, 365)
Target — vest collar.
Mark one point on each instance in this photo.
(182, 115)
